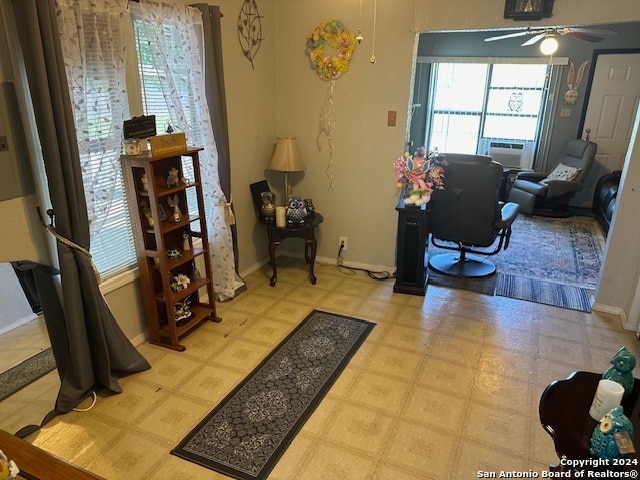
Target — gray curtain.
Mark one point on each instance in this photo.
(88, 345)
(217, 101)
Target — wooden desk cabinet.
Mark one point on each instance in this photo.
(412, 240)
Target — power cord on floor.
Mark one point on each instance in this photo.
(375, 275)
(93, 402)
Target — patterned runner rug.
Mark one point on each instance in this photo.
(246, 434)
(26, 372)
(554, 261)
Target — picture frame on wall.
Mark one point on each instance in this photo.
(521, 10)
(256, 194)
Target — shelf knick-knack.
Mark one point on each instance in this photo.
(182, 310)
(620, 370)
(146, 211)
(186, 241)
(605, 439)
(268, 207)
(180, 282)
(195, 273)
(174, 203)
(173, 177)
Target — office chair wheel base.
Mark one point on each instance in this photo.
(469, 266)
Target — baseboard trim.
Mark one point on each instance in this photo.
(140, 339)
(625, 322)
(348, 264)
(255, 267)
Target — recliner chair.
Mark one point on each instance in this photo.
(467, 213)
(549, 194)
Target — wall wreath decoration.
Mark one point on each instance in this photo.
(334, 34)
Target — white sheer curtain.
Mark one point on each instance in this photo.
(175, 44)
(94, 56)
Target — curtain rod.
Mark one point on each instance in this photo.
(138, 1)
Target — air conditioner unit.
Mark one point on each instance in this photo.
(510, 155)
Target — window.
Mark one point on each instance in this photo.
(93, 41)
(471, 104)
(96, 76)
(172, 110)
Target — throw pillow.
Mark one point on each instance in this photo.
(562, 172)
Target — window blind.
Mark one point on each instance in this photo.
(472, 104)
(96, 78)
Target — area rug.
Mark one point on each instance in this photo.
(26, 372)
(539, 291)
(560, 258)
(484, 285)
(246, 434)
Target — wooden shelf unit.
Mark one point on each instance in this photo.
(156, 231)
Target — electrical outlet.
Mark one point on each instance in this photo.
(342, 242)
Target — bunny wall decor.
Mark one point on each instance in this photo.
(571, 95)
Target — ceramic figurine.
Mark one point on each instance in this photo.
(173, 253)
(8, 468)
(308, 203)
(181, 310)
(268, 207)
(146, 211)
(296, 211)
(603, 442)
(173, 202)
(143, 182)
(186, 244)
(180, 282)
(195, 273)
(620, 370)
(172, 178)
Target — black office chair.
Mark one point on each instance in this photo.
(468, 214)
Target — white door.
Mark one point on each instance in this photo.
(613, 102)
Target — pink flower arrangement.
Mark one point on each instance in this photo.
(419, 174)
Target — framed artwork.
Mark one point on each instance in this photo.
(527, 9)
(256, 194)
(140, 127)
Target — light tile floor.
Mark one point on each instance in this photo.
(22, 343)
(446, 385)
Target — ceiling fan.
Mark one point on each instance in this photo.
(588, 34)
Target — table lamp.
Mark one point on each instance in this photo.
(286, 159)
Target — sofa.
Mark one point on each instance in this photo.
(605, 197)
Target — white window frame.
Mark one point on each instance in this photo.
(546, 119)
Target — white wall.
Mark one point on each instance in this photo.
(361, 205)
(619, 290)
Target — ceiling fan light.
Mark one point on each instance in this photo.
(549, 45)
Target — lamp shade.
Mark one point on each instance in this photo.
(285, 156)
